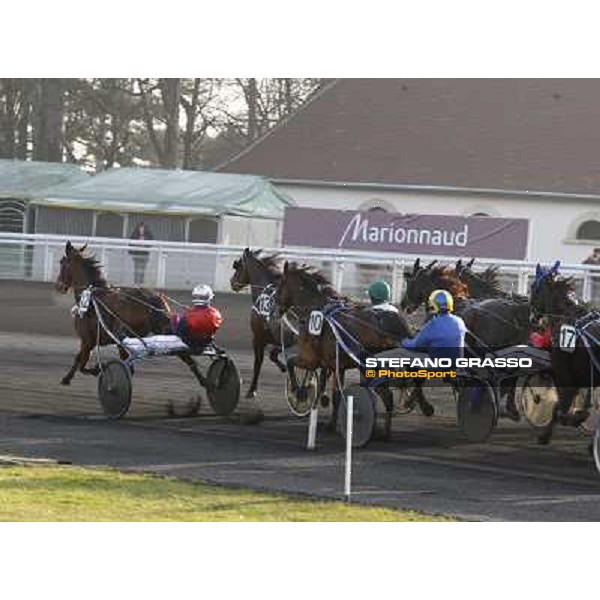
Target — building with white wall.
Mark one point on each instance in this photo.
(505, 148)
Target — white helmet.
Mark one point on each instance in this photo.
(202, 295)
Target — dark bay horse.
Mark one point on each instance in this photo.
(497, 321)
(553, 300)
(484, 284)
(261, 273)
(306, 289)
(140, 311)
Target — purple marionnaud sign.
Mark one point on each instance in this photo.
(482, 237)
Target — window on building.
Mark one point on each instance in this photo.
(588, 230)
(203, 231)
(12, 216)
(109, 225)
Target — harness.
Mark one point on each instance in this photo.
(264, 304)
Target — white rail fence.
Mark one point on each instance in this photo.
(177, 265)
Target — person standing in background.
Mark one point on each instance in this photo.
(140, 255)
(594, 259)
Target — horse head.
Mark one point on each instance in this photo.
(426, 279)
(551, 293)
(254, 269)
(303, 287)
(70, 273)
(241, 277)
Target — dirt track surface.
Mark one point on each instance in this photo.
(426, 466)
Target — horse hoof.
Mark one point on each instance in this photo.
(544, 439)
(65, 381)
(383, 436)
(250, 394)
(512, 414)
(427, 410)
(324, 401)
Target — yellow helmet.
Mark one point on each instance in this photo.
(441, 301)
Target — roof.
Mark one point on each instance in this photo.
(166, 191)
(506, 134)
(24, 179)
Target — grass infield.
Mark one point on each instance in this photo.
(63, 493)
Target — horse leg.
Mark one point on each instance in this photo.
(66, 380)
(336, 392)
(259, 355)
(425, 407)
(388, 401)
(80, 361)
(323, 397)
(566, 397)
(510, 389)
(274, 357)
(560, 413)
(123, 355)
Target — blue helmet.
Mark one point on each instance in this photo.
(441, 301)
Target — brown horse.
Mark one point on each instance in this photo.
(497, 322)
(306, 289)
(484, 284)
(124, 311)
(424, 280)
(261, 274)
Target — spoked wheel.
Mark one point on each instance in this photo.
(364, 415)
(302, 396)
(596, 448)
(477, 411)
(224, 385)
(114, 389)
(538, 398)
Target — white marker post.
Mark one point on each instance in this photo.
(312, 429)
(349, 421)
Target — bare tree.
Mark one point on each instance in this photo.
(103, 125)
(48, 112)
(160, 100)
(266, 101)
(15, 105)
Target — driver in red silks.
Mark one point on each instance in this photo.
(198, 325)
(541, 339)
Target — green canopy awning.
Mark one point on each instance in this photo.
(25, 179)
(170, 192)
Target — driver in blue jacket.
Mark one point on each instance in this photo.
(444, 335)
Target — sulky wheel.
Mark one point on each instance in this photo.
(596, 448)
(364, 415)
(223, 386)
(302, 397)
(477, 411)
(538, 398)
(114, 389)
